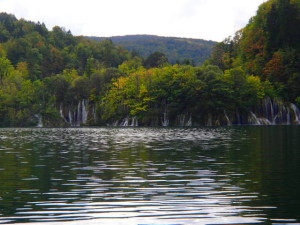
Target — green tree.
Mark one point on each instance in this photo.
(5, 68)
(156, 59)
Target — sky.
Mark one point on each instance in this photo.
(202, 19)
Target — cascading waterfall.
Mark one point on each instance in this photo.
(75, 116)
(114, 124)
(209, 120)
(61, 112)
(125, 122)
(254, 120)
(274, 111)
(79, 116)
(181, 120)
(134, 122)
(229, 123)
(70, 117)
(269, 112)
(40, 121)
(165, 120)
(184, 120)
(84, 112)
(189, 122)
(296, 113)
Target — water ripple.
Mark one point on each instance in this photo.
(125, 176)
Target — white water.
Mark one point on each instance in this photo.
(270, 112)
(84, 112)
(70, 117)
(61, 112)
(254, 120)
(40, 121)
(209, 120)
(134, 122)
(229, 123)
(165, 120)
(189, 122)
(296, 113)
(185, 120)
(275, 112)
(125, 122)
(76, 116)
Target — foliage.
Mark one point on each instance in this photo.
(156, 59)
(177, 50)
(48, 53)
(178, 90)
(49, 74)
(267, 47)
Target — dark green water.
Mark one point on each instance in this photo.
(131, 176)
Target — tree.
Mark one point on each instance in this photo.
(156, 59)
(5, 68)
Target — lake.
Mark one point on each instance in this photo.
(143, 176)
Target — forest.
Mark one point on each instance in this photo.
(178, 50)
(52, 78)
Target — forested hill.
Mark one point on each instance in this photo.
(269, 47)
(57, 79)
(180, 50)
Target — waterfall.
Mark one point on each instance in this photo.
(227, 118)
(115, 124)
(78, 114)
(181, 120)
(189, 122)
(70, 117)
(165, 121)
(274, 111)
(254, 120)
(74, 118)
(209, 120)
(61, 112)
(125, 122)
(84, 112)
(134, 122)
(40, 121)
(296, 113)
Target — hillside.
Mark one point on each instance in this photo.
(53, 78)
(176, 49)
(268, 47)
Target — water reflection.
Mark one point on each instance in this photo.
(150, 176)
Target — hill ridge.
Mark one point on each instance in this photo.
(177, 49)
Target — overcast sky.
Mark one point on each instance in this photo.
(205, 19)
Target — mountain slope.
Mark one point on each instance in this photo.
(268, 47)
(176, 49)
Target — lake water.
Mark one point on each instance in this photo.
(143, 176)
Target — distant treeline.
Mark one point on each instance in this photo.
(178, 50)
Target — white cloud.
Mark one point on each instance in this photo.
(207, 19)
